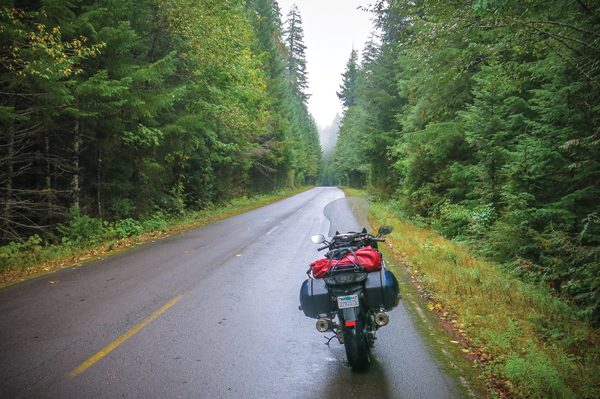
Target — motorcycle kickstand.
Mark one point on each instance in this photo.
(337, 332)
(329, 339)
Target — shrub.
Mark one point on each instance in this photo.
(123, 208)
(459, 221)
(156, 223)
(454, 220)
(127, 227)
(482, 219)
(16, 252)
(81, 228)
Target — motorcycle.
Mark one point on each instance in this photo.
(351, 282)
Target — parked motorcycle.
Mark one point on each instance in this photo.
(351, 283)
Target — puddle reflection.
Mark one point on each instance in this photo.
(342, 382)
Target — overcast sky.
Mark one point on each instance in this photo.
(331, 28)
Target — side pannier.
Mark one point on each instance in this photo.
(382, 290)
(315, 299)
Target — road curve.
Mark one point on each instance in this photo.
(212, 313)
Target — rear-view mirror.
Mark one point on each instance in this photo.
(318, 239)
(385, 230)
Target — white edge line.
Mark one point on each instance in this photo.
(272, 230)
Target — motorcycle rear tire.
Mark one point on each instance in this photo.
(357, 348)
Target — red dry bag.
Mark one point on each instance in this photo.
(369, 260)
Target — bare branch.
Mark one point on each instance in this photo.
(576, 66)
(558, 37)
(567, 26)
(586, 8)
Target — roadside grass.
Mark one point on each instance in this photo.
(526, 343)
(442, 343)
(91, 240)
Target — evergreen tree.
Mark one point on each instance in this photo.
(295, 58)
(271, 156)
(136, 106)
(36, 67)
(349, 81)
(486, 124)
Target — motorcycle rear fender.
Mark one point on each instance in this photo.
(349, 315)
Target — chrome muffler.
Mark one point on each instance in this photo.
(325, 325)
(382, 319)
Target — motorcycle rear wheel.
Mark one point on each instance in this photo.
(357, 349)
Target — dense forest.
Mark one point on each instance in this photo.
(481, 119)
(125, 109)
(478, 118)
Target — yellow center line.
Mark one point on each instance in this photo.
(122, 338)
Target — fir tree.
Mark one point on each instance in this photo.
(295, 58)
(349, 81)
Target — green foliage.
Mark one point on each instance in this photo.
(80, 228)
(127, 228)
(18, 253)
(348, 159)
(536, 376)
(349, 81)
(296, 61)
(123, 208)
(463, 224)
(454, 220)
(121, 108)
(524, 337)
(36, 254)
(483, 115)
(480, 117)
(155, 223)
(37, 50)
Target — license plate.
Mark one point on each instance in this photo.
(350, 301)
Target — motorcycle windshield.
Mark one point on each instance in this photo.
(349, 214)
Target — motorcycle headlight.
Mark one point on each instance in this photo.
(345, 278)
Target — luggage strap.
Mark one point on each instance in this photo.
(339, 254)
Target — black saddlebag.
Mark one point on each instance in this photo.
(315, 299)
(382, 290)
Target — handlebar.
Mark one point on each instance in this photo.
(369, 237)
(363, 238)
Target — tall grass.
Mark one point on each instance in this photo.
(527, 343)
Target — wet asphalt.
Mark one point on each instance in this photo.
(226, 324)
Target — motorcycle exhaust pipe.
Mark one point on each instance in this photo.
(325, 325)
(382, 319)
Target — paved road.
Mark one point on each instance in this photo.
(212, 313)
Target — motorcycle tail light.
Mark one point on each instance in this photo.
(345, 278)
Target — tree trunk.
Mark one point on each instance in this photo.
(75, 182)
(99, 182)
(8, 185)
(48, 164)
